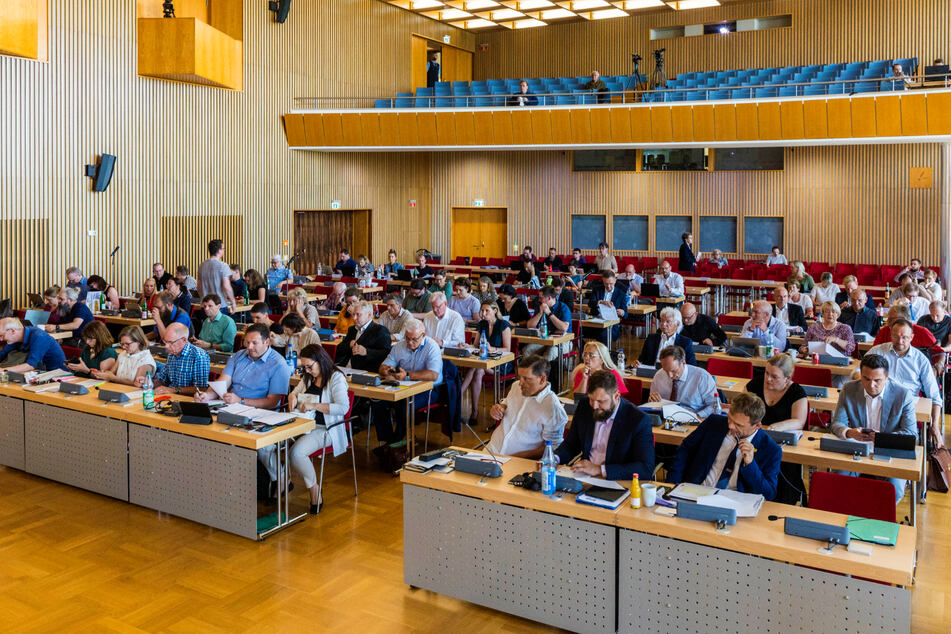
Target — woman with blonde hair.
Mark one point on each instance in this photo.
(595, 356)
(799, 276)
(297, 305)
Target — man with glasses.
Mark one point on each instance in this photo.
(32, 348)
(278, 275)
(186, 368)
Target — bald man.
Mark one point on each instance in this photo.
(700, 328)
(187, 366)
(763, 326)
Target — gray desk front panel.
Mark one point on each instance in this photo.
(667, 585)
(84, 450)
(552, 569)
(11, 432)
(201, 480)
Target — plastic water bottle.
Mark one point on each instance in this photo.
(548, 470)
(718, 409)
(483, 347)
(291, 358)
(543, 327)
(148, 392)
(621, 361)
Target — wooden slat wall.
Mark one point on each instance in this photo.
(186, 150)
(861, 190)
(823, 31)
(200, 231)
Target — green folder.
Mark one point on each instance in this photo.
(873, 531)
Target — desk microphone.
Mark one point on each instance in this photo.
(773, 518)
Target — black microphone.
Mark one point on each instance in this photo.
(773, 518)
(114, 251)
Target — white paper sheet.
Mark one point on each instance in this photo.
(220, 387)
(606, 312)
(745, 504)
(821, 347)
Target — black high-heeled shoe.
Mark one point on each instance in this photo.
(315, 508)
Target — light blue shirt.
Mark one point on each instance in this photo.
(276, 276)
(774, 335)
(427, 356)
(256, 379)
(696, 390)
(671, 286)
(911, 371)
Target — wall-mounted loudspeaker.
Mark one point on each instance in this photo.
(280, 8)
(101, 173)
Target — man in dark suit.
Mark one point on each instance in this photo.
(790, 314)
(432, 70)
(859, 316)
(366, 344)
(612, 296)
(700, 328)
(668, 334)
(613, 437)
(729, 452)
(523, 98)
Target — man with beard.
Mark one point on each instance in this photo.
(165, 313)
(611, 435)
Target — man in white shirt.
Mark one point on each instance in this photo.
(530, 415)
(443, 325)
(394, 318)
(690, 387)
(669, 284)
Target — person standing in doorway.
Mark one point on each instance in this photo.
(432, 70)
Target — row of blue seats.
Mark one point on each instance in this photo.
(792, 75)
(766, 92)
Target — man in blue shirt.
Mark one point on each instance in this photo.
(257, 376)
(42, 352)
(76, 279)
(859, 316)
(278, 275)
(611, 296)
(558, 317)
(763, 326)
(76, 317)
(415, 358)
(165, 313)
(187, 366)
(345, 264)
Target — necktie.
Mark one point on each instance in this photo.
(724, 481)
(674, 388)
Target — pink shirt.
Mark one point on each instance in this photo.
(599, 445)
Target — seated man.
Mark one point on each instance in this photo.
(911, 369)
(859, 316)
(416, 358)
(558, 318)
(335, 299)
(874, 403)
(417, 299)
(186, 368)
(938, 323)
(700, 328)
(523, 97)
(763, 326)
(728, 452)
(165, 313)
(914, 269)
(278, 275)
(423, 269)
(597, 84)
(76, 315)
(260, 315)
(346, 264)
(690, 387)
(921, 338)
(911, 297)
(345, 317)
(553, 261)
(529, 415)
(631, 281)
(218, 330)
(444, 325)
(160, 275)
(668, 334)
(790, 314)
(185, 279)
(31, 347)
(612, 436)
(565, 295)
(366, 345)
(257, 376)
(669, 284)
(844, 297)
(394, 318)
(612, 296)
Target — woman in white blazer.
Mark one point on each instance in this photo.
(322, 392)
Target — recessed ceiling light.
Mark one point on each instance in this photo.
(632, 5)
(555, 14)
(682, 5)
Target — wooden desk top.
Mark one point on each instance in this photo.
(864, 346)
(757, 536)
(126, 321)
(697, 290)
(483, 364)
(383, 393)
(641, 309)
(90, 404)
(60, 335)
(599, 323)
(760, 362)
(551, 340)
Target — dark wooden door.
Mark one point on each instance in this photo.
(322, 234)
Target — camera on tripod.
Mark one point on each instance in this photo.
(659, 55)
(635, 58)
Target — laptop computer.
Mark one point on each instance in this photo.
(404, 274)
(37, 317)
(6, 308)
(745, 342)
(895, 445)
(650, 290)
(35, 300)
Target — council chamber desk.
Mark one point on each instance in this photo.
(205, 473)
(589, 569)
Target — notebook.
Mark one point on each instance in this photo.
(873, 531)
(603, 497)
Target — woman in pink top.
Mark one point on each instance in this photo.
(594, 357)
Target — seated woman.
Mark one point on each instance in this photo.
(297, 305)
(513, 306)
(148, 294)
(463, 302)
(929, 287)
(825, 290)
(257, 287)
(594, 357)
(799, 275)
(717, 259)
(56, 308)
(527, 275)
(800, 299)
(441, 283)
(97, 352)
(831, 331)
(134, 361)
(485, 291)
(97, 283)
(786, 410)
(296, 333)
(498, 334)
(323, 391)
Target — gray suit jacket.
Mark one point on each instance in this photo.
(898, 409)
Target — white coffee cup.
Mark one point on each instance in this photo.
(648, 494)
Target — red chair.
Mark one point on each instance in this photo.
(731, 320)
(457, 260)
(730, 367)
(479, 262)
(851, 495)
(322, 453)
(70, 351)
(845, 268)
(807, 375)
(649, 264)
(635, 391)
(497, 262)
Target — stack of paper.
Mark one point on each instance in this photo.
(262, 416)
(821, 347)
(745, 504)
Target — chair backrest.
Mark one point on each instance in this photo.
(635, 390)
(851, 495)
(807, 375)
(731, 320)
(730, 367)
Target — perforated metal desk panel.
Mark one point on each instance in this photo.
(12, 450)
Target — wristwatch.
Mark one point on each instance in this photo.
(242, 401)
(57, 328)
